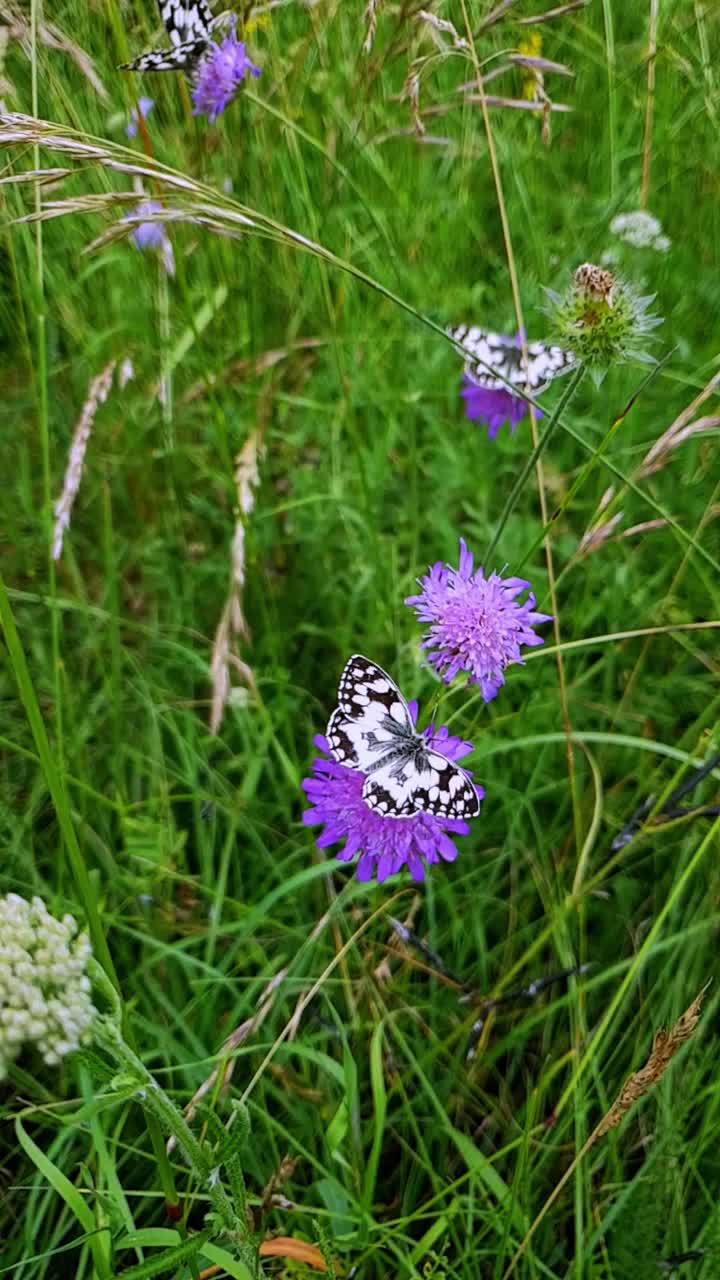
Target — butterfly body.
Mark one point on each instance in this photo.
(372, 731)
(494, 360)
(189, 25)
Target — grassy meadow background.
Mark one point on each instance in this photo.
(411, 1160)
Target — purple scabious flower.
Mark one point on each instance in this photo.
(219, 76)
(142, 110)
(492, 407)
(477, 624)
(385, 845)
(152, 235)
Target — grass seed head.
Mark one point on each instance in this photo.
(665, 1045)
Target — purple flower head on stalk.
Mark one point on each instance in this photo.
(493, 405)
(142, 110)
(384, 845)
(477, 624)
(150, 236)
(219, 76)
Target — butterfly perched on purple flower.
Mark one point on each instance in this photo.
(392, 796)
(216, 70)
(494, 365)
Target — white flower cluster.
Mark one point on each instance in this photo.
(44, 989)
(641, 230)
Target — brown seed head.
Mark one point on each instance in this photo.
(595, 281)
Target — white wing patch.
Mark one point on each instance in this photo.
(185, 20)
(490, 354)
(372, 731)
(189, 26)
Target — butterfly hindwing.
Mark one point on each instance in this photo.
(494, 360)
(424, 782)
(372, 731)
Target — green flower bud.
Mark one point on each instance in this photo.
(601, 319)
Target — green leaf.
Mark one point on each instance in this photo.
(168, 1260)
(70, 1194)
(234, 1268)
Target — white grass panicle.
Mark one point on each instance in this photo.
(16, 23)
(232, 625)
(371, 13)
(98, 392)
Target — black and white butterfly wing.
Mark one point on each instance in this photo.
(423, 782)
(372, 731)
(185, 20)
(181, 57)
(188, 24)
(545, 363)
(494, 360)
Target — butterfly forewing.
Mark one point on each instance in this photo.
(494, 360)
(372, 731)
(185, 20)
(182, 57)
(188, 24)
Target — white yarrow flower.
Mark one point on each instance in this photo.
(641, 230)
(44, 989)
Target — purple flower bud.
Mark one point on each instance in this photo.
(142, 110)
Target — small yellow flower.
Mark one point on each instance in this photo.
(259, 23)
(531, 47)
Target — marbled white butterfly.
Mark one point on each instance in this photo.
(489, 352)
(372, 731)
(189, 25)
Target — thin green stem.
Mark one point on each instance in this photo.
(42, 387)
(592, 462)
(55, 784)
(612, 113)
(512, 499)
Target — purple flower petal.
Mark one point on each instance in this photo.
(219, 76)
(152, 235)
(492, 406)
(142, 110)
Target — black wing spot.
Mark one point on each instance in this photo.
(341, 744)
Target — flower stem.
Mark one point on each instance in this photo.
(157, 1102)
(511, 502)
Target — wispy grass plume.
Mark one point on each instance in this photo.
(233, 625)
(683, 428)
(98, 392)
(666, 1045)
